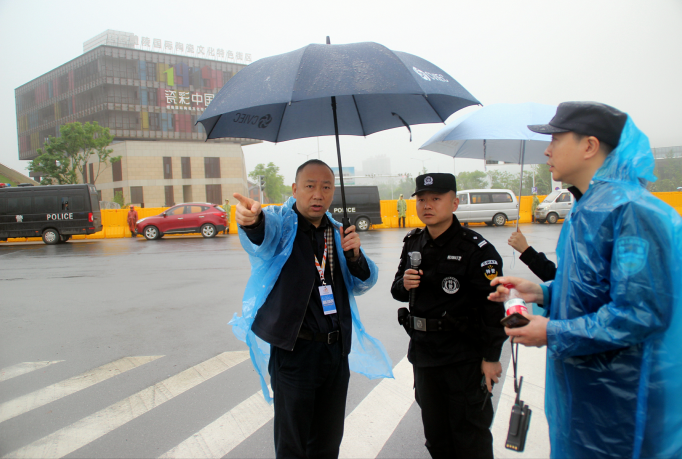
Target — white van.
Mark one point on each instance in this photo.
(556, 205)
(492, 207)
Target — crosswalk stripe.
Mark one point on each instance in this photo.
(23, 368)
(229, 430)
(90, 428)
(40, 397)
(373, 421)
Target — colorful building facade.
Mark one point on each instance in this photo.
(151, 98)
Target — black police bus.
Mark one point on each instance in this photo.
(362, 203)
(54, 212)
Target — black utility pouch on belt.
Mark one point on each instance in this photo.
(403, 314)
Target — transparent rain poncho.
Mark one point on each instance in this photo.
(367, 356)
(614, 354)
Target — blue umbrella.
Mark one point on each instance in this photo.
(497, 132)
(353, 89)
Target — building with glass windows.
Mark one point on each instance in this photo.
(150, 101)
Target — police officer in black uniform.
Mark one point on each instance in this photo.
(456, 335)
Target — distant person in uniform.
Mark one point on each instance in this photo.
(536, 203)
(132, 220)
(402, 210)
(228, 209)
(455, 332)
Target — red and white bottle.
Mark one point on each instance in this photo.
(515, 303)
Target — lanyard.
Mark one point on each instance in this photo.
(320, 269)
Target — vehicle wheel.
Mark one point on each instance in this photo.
(51, 237)
(63, 238)
(208, 230)
(362, 224)
(499, 220)
(552, 218)
(151, 233)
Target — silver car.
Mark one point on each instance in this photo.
(489, 206)
(556, 205)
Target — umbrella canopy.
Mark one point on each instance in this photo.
(288, 96)
(496, 132)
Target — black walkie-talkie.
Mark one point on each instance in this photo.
(520, 415)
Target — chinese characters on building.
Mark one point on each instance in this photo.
(184, 100)
(188, 49)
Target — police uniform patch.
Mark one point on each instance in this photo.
(450, 285)
(490, 270)
(428, 180)
(631, 254)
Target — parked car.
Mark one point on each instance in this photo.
(489, 206)
(192, 217)
(556, 205)
(363, 206)
(54, 212)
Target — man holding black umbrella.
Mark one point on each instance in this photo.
(306, 317)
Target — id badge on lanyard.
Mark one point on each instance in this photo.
(326, 294)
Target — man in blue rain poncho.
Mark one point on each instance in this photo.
(299, 316)
(613, 314)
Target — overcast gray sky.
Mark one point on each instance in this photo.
(625, 53)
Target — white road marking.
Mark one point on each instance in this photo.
(225, 433)
(23, 368)
(40, 397)
(373, 421)
(90, 428)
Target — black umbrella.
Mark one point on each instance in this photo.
(354, 89)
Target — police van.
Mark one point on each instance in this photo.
(363, 206)
(54, 212)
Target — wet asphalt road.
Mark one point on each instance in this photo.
(91, 302)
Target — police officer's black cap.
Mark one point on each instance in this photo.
(436, 182)
(586, 118)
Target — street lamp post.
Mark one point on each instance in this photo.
(423, 161)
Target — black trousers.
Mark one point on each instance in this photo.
(451, 398)
(403, 219)
(310, 385)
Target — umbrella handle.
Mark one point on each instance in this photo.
(345, 220)
(346, 224)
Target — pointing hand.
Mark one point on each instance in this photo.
(248, 210)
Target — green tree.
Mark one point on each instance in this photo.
(503, 179)
(118, 199)
(668, 170)
(543, 179)
(393, 189)
(275, 189)
(63, 157)
(471, 180)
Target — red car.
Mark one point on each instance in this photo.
(192, 217)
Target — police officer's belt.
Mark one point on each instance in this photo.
(427, 325)
(329, 338)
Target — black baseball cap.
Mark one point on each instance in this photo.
(436, 182)
(586, 118)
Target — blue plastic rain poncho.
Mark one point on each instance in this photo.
(614, 353)
(367, 356)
